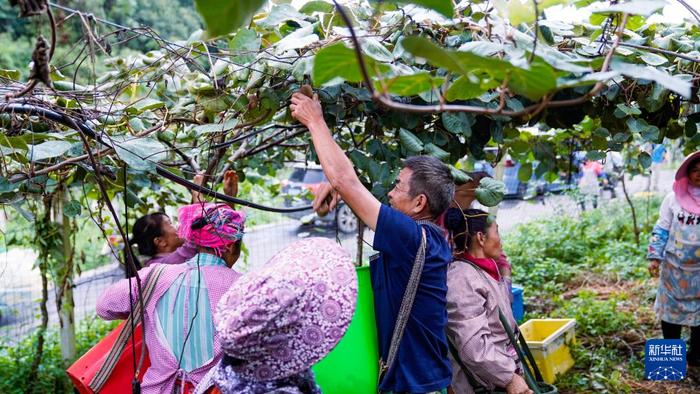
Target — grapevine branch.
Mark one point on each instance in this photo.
(692, 10)
(127, 246)
(58, 116)
(187, 159)
(661, 51)
(537, 28)
(43, 51)
(46, 170)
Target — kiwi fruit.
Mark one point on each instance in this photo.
(307, 91)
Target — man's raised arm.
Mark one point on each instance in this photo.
(336, 165)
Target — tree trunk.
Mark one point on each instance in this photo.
(41, 332)
(64, 283)
(33, 372)
(634, 211)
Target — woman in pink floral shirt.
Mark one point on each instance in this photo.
(178, 321)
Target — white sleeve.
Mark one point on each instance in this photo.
(666, 212)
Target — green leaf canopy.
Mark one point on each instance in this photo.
(339, 61)
(445, 7)
(224, 16)
(532, 83)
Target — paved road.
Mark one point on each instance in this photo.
(20, 289)
(514, 212)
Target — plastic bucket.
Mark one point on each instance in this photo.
(518, 304)
(83, 370)
(353, 365)
(548, 341)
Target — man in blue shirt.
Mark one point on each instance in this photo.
(423, 191)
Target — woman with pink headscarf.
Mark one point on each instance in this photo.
(157, 237)
(674, 254)
(182, 342)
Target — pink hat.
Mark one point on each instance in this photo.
(680, 186)
(286, 316)
(682, 171)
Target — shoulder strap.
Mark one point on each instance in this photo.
(405, 309)
(476, 386)
(531, 380)
(429, 223)
(134, 319)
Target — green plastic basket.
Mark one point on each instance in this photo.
(353, 365)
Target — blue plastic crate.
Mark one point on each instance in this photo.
(518, 305)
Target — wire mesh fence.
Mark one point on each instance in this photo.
(20, 284)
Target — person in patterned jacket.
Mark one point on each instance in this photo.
(674, 254)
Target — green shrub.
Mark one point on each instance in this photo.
(16, 359)
(576, 255)
(597, 369)
(593, 316)
(548, 253)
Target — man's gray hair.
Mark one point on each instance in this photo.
(433, 179)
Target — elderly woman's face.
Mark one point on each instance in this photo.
(694, 174)
(492, 242)
(492, 246)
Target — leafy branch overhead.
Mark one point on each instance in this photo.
(396, 78)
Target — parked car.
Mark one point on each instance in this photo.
(299, 190)
(516, 189)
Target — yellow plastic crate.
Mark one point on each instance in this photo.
(548, 339)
